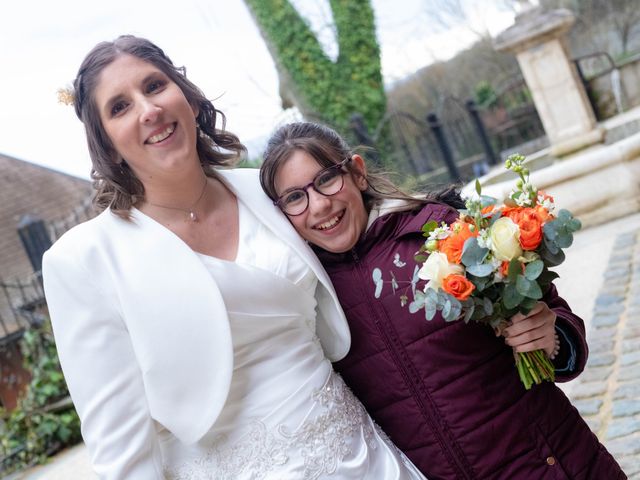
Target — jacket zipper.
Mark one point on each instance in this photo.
(407, 375)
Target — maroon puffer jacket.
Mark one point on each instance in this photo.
(448, 394)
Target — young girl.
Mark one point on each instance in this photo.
(448, 394)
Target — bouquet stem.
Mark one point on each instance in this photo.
(534, 368)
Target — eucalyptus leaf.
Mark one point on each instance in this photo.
(430, 295)
(415, 306)
(468, 313)
(429, 310)
(472, 253)
(534, 269)
(480, 270)
(414, 280)
(522, 285)
(418, 301)
(515, 269)
(510, 297)
(564, 239)
(494, 218)
(486, 200)
(534, 291)
(550, 245)
(527, 305)
(446, 309)
(564, 216)
(479, 282)
(552, 259)
(487, 305)
(456, 306)
(574, 225)
(454, 314)
(549, 229)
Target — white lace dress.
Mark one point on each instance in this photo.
(288, 415)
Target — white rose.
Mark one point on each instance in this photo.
(505, 243)
(436, 268)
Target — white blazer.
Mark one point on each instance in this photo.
(143, 334)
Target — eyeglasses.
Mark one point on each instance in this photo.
(327, 182)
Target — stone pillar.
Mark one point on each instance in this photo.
(537, 39)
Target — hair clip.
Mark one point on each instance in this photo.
(66, 96)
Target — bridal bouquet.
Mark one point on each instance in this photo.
(494, 261)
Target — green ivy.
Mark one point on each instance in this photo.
(44, 420)
(327, 91)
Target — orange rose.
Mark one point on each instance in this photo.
(530, 224)
(452, 245)
(543, 213)
(458, 286)
(504, 268)
(511, 212)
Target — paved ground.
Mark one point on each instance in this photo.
(607, 394)
(601, 281)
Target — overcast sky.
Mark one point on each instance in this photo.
(42, 44)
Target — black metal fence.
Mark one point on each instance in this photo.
(460, 140)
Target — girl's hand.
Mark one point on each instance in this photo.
(535, 331)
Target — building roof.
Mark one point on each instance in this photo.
(29, 189)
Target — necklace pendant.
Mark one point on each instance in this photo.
(193, 217)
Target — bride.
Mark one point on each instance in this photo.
(194, 327)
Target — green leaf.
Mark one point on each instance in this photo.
(574, 225)
(469, 313)
(430, 310)
(534, 291)
(472, 253)
(478, 187)
(428, 227)
(552, 259)
(564, 239)
(527, 304)
(564, 216)
(511, 298)
(480, 270)
(522, 285)
(479, 282)
(486, 200)
(418, 302)
(548, 276)
(487, 305)
(414, 279)
(534, 269)
(515, 269)
(446, 309)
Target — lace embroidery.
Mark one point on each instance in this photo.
(321, 441)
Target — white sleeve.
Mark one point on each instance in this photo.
(101, 370)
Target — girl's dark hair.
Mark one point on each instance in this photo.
(328, 148)
(116, 185)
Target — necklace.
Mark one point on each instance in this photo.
(189, 211)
